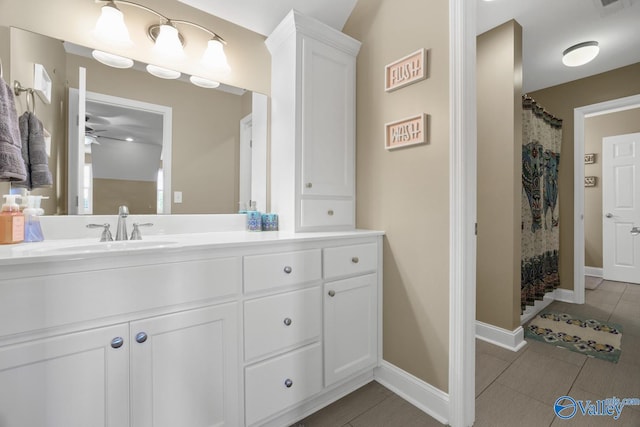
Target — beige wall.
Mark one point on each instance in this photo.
(30, 49)
(406, 192)
(73, 20)
(206, 132)
(499, 86)
(139, 196)
(560, 101)
(596, 128)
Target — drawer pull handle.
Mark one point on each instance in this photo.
(330, 212)
(355, 260)
(308, 185)
(117, 342)
(288, 383)
(287, 321)
(332, 293)
(288, 269)
(141, 337)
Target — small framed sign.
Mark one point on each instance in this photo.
(589, 158)
(406, 132)
(590, 181)
(405, 71)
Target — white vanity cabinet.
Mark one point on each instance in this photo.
(138, 345)
(72, 380)
(350, 310)
(313, 125)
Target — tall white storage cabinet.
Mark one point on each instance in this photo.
(313, 70)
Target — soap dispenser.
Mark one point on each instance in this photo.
(11, 221)
(32, 227)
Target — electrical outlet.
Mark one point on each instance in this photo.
(177, 197)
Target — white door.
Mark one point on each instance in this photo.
(75, 380)
(621, 207)
(350, 327)
(184, 369)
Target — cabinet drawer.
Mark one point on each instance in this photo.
(327, 213)
(262, 272)
(345, 260)
(281, 321)
(281, 382)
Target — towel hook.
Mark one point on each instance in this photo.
(31, 96)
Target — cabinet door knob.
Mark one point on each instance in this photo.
(288, 269)
(308, 185)
(287, 321)
(330, 212)
(288, 383)
(609, 215)
(117, 342)
(141, 337)
(355, 260)
(332, 293)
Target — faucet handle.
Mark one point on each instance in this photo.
(106, 232)
(135, 234)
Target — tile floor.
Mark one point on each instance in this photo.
(519, 389)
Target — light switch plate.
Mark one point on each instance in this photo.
(177, 197)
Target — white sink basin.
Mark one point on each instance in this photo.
(122, 245)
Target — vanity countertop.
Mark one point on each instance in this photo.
(87, 248)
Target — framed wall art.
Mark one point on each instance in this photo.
(406, 132)
(405, 71)
(589, 158)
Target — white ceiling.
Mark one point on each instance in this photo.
(551, 26)
(262, 16)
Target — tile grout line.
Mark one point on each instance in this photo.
(369, 409)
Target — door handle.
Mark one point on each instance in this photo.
(609, 215)
(635, 231)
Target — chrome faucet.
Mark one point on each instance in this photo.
(121, 231)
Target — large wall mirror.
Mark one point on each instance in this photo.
(156, 145)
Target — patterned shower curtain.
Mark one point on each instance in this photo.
(542, 137)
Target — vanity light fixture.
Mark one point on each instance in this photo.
(168, 42)
(163, 73)
(580, 54)
(111, 59)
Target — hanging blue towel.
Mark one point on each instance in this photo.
(12, 167)
(34, 153)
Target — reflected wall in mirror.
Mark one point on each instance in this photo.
(205, 129)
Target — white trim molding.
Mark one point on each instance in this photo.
(424, 396)
(511, 340)
(567, 295)
(593, 271)
(579, 116)
(462, 211)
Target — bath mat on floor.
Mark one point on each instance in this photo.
(593, 338)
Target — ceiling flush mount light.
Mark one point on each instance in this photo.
(580, 54)
(168, 42)
(163, 73)
(112, 60)
(205, 83)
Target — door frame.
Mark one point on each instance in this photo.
(579, 116)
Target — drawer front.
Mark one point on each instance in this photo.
(77, 297)
(346, 260)
(327, 213)
(263, 272)
(281, 321)
(281, 382)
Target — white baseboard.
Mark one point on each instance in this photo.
(511, 340)
(537, 307)
(593, 271)
(564, 295)
(426, 397)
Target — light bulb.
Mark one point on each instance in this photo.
(110, 27)
(205, 83)
(214, 57)
(168, 43)
(163, 73)
(112, 60)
